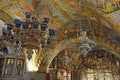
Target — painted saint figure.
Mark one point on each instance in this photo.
(103, 3)
(19, 68)
(109, 6)
(116, 3)
(9, 67)
(1, 65)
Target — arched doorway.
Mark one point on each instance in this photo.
(99, 65)
(96, 65)
(61, 66)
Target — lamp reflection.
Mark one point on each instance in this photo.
(30, 66)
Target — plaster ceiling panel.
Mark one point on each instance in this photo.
(60, 12)
(46, 8)
(109, 8)
(70, 6)
(16, 8)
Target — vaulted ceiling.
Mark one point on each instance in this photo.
(63, 11)
(65, 15)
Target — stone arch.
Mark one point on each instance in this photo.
(50, 56)
(66, 43)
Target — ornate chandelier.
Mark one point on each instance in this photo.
(29, 34)
(85, 44)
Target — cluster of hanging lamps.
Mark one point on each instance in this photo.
(10, 31)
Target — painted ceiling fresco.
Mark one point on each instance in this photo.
(16, 8)
(61, 11)
(66, 15)
(108, 7)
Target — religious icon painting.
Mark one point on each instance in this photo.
(75, 75)
(1, 65)
(19, 67)
(9, 66)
